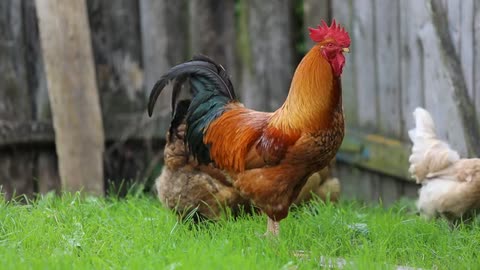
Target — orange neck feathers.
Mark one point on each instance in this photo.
(314, 94)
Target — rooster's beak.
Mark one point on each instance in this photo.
(347, 50)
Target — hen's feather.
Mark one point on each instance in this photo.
(429, 154)
(450, 185)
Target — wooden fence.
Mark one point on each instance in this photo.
(399, 60)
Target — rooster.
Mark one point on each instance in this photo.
(266, 156)
(450, 185)
(186, 186)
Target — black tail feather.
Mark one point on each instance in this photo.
(200, 65)
(177, 88)
(178, 116)
(210, 89)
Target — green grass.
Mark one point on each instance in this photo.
(138, 233)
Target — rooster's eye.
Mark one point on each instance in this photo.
(330, 44)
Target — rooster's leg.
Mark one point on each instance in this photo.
(273, 227)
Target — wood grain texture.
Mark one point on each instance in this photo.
(115, 32)
(375, 152)
(451, 63)
(466, 48)
(212, 32)
(438, 91)
(343, 11)
(363, 35)
(164, 37)
(413, 16)
(48, 179)
(267, 74)
(46, 163)
(387, 57)
(16, 164)
(476, 56)
(73, 94)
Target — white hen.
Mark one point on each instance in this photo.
(450, 185)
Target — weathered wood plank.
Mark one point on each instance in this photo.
(387, 57)
(16, 165)
(73, 94)
(46, 171)
(413, 15)
(212, 31)
(356, 183)
(390, 190)
(267, 47)
(14, 95)
(363, 37)
(25, 132)
(410, 190)
(466, 131)
(342, 11)
(164, 43)
(16, 172)
(375, 152)
(476, 63)
(37, 83)
(117, 48)
(454, 17)
(467, 45)
(372, 187)
(116, 44)
(438, 90)
(134, 126)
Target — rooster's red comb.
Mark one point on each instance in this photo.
(334, 31)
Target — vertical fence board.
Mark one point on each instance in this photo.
(16, 172)
(476, 63)
(413, 16)
(363, 35)
(212, 31)
(387, 57)
(454, 19)
(467, 45)
(390, 190)
(267, 74)
(73, 94)
(357, 184)
(164, 43)
(16, 165)
(438, 91)
(410, 190)
(46, 169)
(343, 13)
(117, 50)
(37, 83)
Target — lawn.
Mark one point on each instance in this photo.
(138, 233)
